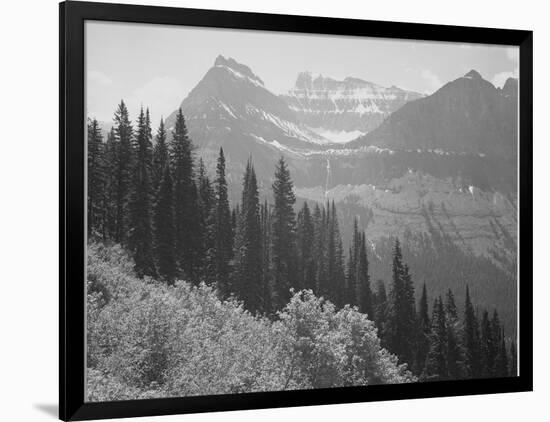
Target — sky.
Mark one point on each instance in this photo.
(157, 65)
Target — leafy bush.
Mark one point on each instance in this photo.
(147, 339)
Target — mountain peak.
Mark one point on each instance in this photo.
(306, 79)
(237, 67)
(510, 87)
(473, 74)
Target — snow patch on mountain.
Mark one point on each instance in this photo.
(227, 109)
(344, 105)
(241, 76)
(290, 129)
(338, 137)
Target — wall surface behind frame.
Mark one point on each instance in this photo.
(28, 216)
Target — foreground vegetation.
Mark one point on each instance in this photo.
(148, 339)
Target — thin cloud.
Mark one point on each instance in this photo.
(99, 78)
(500, 78)
(433, 81)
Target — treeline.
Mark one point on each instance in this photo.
(442, 264)
(159, 203)
(445, 345)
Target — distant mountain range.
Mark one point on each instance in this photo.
(343, 110)
(442, 167)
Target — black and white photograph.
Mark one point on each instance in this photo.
(274, 211)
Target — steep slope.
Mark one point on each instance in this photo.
(467, 115)
(343, 110)
(230, 107)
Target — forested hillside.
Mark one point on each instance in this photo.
(190, 294)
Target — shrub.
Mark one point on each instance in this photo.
(146, 339)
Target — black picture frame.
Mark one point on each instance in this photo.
(72, 16)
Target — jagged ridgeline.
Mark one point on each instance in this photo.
(413, 223)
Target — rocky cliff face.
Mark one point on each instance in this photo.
(343, 110)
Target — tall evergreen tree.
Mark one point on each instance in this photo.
(320, 250)
(424, 332)
(500, 368)
(471, 339)
(110, 170)
(187, 227)
(455, 352)
(436, 363)
(335, 258)
(96, 180)
(305, 237)
(283, 235)
(123, 177)
(160, 155)
(364, 292)
(248, 274)
(267, 282)
(352, 296)
(380, 310)
(501, 360)
(207, 217)
(400, 326)
(164, 233)
(488, 346)
(140, 238)
(224, 227)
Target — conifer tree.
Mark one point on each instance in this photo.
(160, 155)
(436, 363)
(330, 287)
(283, 235)
(110, 191)
(471, 339)
(267, 284)
(424, 332)
(352, 296)
(320, 250)
(123, 176)
(96, 180)
(305, 237)
(380, 310)
(248, 274)
(207, 215)
(400, 326)
(335, 257)
(501, 360)
(500, 368)
(455, 352)
(186, 214)
(140, 238)
(224, 226)
(163, 217)
(488, 346)
(364, 292)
